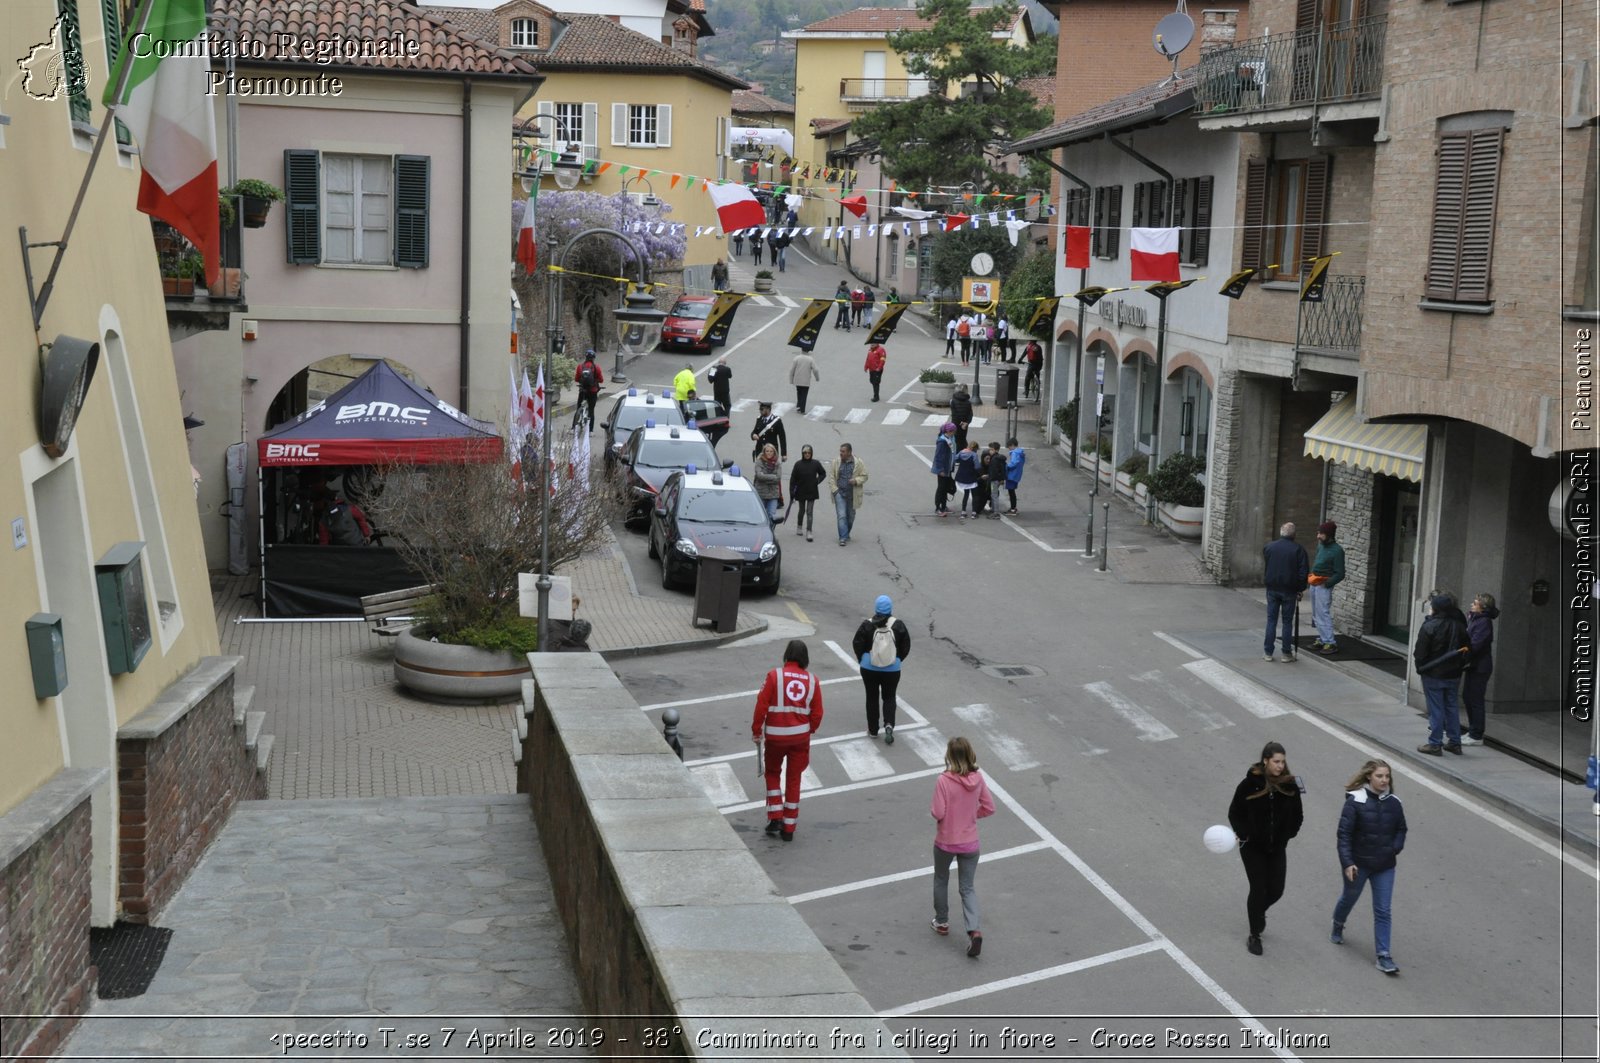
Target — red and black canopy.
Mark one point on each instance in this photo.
(379, 418)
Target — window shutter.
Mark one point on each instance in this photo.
(619, 125)
(111, 20)
(591, 131)
(1180, 211)
(664, 125)
(1138, 202)
(411, 211)
(1314, 237)
(1255, 214)
(302, 200)
(1478, 214)
(1200, 222)
(1114, 222)
(1097, 239)
(722, 136)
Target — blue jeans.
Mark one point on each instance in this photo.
(1444, 715)
(1322, 612)
(844, 508)
(966, 883)
(771, 505)
(1382, 893)
(1280, 604)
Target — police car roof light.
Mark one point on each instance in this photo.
(692, 425)
(733, 470)
(690, 470)
(649, 423)
(666, 393)
(633, 393)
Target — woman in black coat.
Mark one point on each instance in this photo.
(804, 479)
(1372, 831)
(1264, 814)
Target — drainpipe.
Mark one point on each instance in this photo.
(465, 328)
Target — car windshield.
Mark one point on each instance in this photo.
(710, 506)
(704, 409)
(698, 311)
(676, 453)
(631, 417)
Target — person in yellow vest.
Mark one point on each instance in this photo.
(683, 383)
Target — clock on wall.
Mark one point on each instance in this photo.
(983, 263)
(68, 367)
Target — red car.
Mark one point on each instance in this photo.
(686, 324)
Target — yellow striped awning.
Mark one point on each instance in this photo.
(1387, 449)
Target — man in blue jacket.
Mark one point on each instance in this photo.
(1286, 570)
(943, 465)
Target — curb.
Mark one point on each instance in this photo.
(681, 645)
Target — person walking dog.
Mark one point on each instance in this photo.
(788, 712)
(1372, 832)
(960, 798)
(1265, 814)
(881, 644)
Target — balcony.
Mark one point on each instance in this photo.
(1275, 82)
(872, 91)
(191, 308)
(1333, 326)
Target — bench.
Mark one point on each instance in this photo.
(391, 612)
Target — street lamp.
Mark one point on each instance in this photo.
(638, 329)
(649, 199)
(527, 160)
(568, 169)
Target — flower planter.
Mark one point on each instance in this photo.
(1124, 482)
(229, 284)
(1141, 493)
(439, 671)
(1186, 522)
(1107, 473)
(935, 394)
(177, 287)
(254, 210)
(763, 284)
(1086, 460)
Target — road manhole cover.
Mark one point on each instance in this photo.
(1010, 671)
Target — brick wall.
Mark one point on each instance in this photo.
(1105, 50)
(44, 938)
(177, 790)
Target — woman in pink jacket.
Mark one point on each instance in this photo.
(960, 799)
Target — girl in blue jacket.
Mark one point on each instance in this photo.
(1372, 831)
(1014, 462)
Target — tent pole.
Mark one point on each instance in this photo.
(261, 537)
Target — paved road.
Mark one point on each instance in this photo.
(1109, 754)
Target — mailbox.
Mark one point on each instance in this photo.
(124, 606)
(47, 653)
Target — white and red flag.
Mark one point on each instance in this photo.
(515, 433)
(527, 244)
(1154, 255)
(737, 207)
(537, 404)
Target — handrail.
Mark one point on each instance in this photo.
(1283, 70)
(1335, 322)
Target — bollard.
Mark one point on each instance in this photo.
(1105, 533)
(1088, 537)
(669, 730)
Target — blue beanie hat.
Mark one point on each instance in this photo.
(884, 605)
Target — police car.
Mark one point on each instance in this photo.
(698, 509)
(655, 452)
(631, 410)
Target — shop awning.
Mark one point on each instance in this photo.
(1386, 449)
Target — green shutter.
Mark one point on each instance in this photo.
(411, 211)
(111, 18)
(302, 187)
(73, 67)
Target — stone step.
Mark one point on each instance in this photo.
(242, 697)
(263, 753)
(516, 750)
(252, 728)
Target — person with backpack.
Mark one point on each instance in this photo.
(881, 644)
(960, 799)
(588, 377)
(841, 306)
(780, 248)
(858, 303)
(788, 712)
(1033, 355)
(964, 337)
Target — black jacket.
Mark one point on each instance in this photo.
(769, 429)
(1444, 631)
(719, 375)
(960, 408)
(1265, 823)
(862, 643)
(1480, 633)
(1372, 830)
(804, 478)
(1287, 566)
(995, 469)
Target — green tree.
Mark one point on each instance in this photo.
(1034, 278)
(934, 140)
(953, 251)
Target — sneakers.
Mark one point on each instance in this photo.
(1430, 749)
(1337, 937)
(1253, 943)
(1453, 747)
(808, 537)
(1387, 965)
(774, 826)
(1468, 740)
(872, 734)
(888, 734)
(843, 541)
(974, 943)
(1288, 658)
(942, 929)
(1268, 657)
(1328, 649)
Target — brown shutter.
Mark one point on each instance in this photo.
(1200, 244)
(1114, 222)
(1255, 214)
(1477, 216)
(1307, 14)
(1139, 190)
(1314, 236)
(1449, 199)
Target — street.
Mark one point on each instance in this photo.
(1110, 744)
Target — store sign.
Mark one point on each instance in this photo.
(1119, 312)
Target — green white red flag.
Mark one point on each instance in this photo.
(165, 106)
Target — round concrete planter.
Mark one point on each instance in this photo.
(439, 671)
(935, 394)
(1186, 522)
(763, 284)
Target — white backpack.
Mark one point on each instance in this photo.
(883, 652)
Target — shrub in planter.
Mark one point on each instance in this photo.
(1173, 481)
(256, 199)
(936, 376)
(1066, 419)
(1134, 464)
(1105, 446)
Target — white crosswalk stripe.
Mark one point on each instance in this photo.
(741, 405)
(760, 300)
(720, 782)
(977, 422)
(1251, 697)
(1150, 729)
(934, 420)
(781, 408)
(1212, 721)
(785, 301)
(1013, 752)
(809, 780)
(859, 415)
(927, 744)
(894, 417)
(860, 759)
(817, 413)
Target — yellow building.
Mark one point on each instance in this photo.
(120, 758)
(625, 99)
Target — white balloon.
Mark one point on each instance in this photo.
(1219, 839)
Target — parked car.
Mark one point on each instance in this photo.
(685, 327)
(717, 508)
(708, 415)
(654, 453)
(631, 410)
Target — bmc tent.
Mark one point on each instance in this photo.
(378, 419)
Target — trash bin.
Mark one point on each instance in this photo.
(1005, 384)
(716, 589)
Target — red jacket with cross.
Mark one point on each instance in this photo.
(789, 707)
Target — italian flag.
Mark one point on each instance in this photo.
(165, 106)
(527, 246)
(737, 207)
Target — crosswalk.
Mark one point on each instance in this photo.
(892, 416)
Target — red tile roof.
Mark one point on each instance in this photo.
(594, 42)
(826, 126)
(441, 47)
(748, 101)
(1042, 89)
(1156, 102)
(878, 20)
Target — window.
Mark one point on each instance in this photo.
(641, 125)
(1106, 238)
(111, 18)
(524, 33)
(77, 82)
(1192, 213)
(569, 123)
(1194, 414)
(1464, 194)
(367, 210)
(1150, 201)
(1075, 206)
(1285, 213)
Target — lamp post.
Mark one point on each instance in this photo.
(638, 329)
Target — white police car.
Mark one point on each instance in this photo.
(631, 410)
(655, 452)
(698, 509)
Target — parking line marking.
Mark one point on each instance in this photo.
(1012, 752)
(1251, 697)
(730, 697)
(1210, 720)
(817, 413)
(1150, 729)
(720, 783)
(859, 415)
(894, 417)
(844, 788)
(799, 613)
(902, 876)
(809, 781)
(860, 759)
(1003, 984)
(928, 744)
(1190, 650)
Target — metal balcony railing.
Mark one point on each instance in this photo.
(882, 88)
(1337, 62)
(1335, 323)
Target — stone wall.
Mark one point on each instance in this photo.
(45, 856)
(181, 768)
(667, 912)
(1352, 504)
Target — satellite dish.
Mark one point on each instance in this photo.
(1173, 33)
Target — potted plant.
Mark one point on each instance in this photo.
(256, 199)
(225, 212)
(937, 386)
(177, 279)
(558, 373)
(763, 280)
(167, 238)
(1087, 448)
(1134, 465)
(468, 530)
(1180, 497)
(1065, 418)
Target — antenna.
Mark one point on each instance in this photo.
(1172, 35)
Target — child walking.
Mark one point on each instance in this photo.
(960, 799)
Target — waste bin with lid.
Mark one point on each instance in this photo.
(1005, 384)
(716, 589)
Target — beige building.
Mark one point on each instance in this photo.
(121, 758)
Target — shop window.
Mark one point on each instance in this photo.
(1194, 414)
